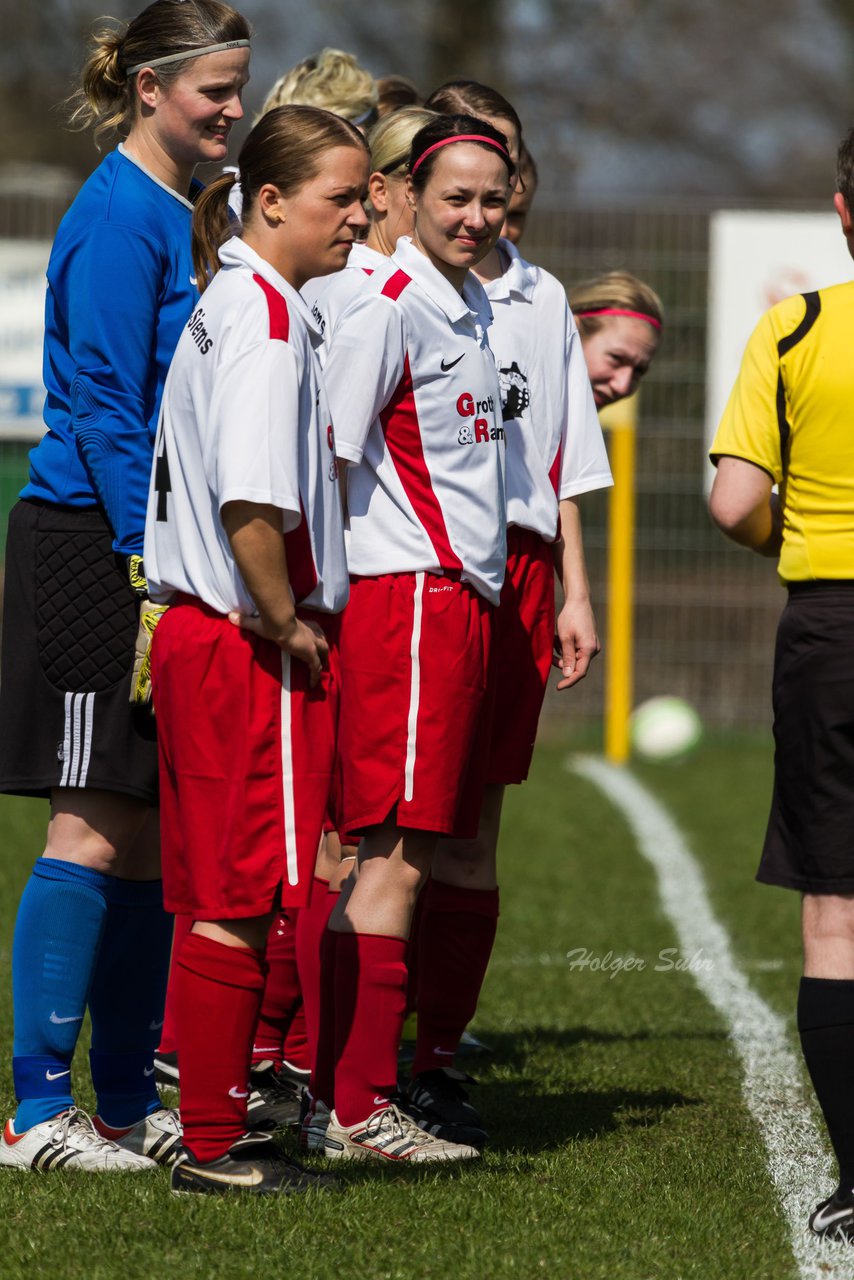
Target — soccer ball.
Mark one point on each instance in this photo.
(665, 728)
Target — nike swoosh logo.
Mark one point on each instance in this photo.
(59, 1021)
(824, 1219)
(235, 1093)
(148, 1071)
(451, 363)
(55, 1075)
(155, 1026)
(381, 1102)
(446, 1053)
(234, 1179)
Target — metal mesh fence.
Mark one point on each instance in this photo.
(705, 612)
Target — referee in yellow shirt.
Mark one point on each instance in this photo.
(790, 422)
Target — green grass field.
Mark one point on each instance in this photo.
(622, 1147)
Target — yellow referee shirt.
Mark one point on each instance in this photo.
(791, 412)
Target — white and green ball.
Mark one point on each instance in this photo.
(665, 728)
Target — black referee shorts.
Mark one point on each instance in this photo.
(809, 843)
(69, 627)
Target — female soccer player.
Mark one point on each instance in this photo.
(246, 715)
(91, 927)
(414, 396)
(333, 80)
(619, 319)
(391, 217)
(555, 452)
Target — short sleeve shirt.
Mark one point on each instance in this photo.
(791, 412)
(555, 448)
(245, 417)
(416, 406)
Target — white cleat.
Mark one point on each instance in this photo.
(157, 1136)
(388, 1134)
(69, 1141)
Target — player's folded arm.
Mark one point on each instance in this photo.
(364, 364)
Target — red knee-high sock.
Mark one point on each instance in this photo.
(168, 1034)
(322, 1084)
(295, 1048)
(282, 993)
(370, 1006)
(457, 934)
(412, 952)
(311, 926)
(217, 995)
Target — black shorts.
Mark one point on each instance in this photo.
(69, 628)
(809, 844)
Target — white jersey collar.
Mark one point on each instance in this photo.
(471, 302)
(172, 192)
(237, 253)
(518, 279)
(361, 256)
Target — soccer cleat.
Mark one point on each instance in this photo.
(275, 1096)
(438, 1103)
(253, 1164)
(313, 1125)
(390, 1134)
(469, 1044)
(68, 1141)
(157, 1136)
(166, 1070)
(833, 1219)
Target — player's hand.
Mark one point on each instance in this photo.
(140, 685)
(576, 642)
(302, 640)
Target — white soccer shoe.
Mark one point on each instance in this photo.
(388, 1134)
(68, 1141)
(157, 1136)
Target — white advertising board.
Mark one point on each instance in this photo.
(23, 264)
(755, 260)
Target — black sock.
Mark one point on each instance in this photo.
(826, 1026)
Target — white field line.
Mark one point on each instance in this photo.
(773, 1079)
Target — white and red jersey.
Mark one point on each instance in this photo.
(327, 296)
(245, 418)
(555, 448)
(415, 401)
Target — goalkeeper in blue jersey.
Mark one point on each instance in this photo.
(91, 930)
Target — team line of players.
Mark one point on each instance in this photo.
(439, 383)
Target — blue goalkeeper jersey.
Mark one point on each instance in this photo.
(121, 288)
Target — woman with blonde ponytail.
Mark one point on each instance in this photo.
(74, 727)
(245, 663)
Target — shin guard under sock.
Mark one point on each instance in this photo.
(57, 937)
(457, 934)
(322, 1084)
(126, 1001)
(168, 1035)
(311, 926)
(282, 995)
(370, 1006)
(826, 1026)
(217, 995)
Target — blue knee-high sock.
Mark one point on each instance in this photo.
(57, 936)
(126, 1001)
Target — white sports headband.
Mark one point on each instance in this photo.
(189, 53)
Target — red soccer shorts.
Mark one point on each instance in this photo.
(246, 758)
(524, 639)
(415, 652)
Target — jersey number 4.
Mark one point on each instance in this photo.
(162, 487)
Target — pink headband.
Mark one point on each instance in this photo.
(460, 137)
(618, 311)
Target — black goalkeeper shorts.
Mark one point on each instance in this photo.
(69, 629)
(809, 844)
